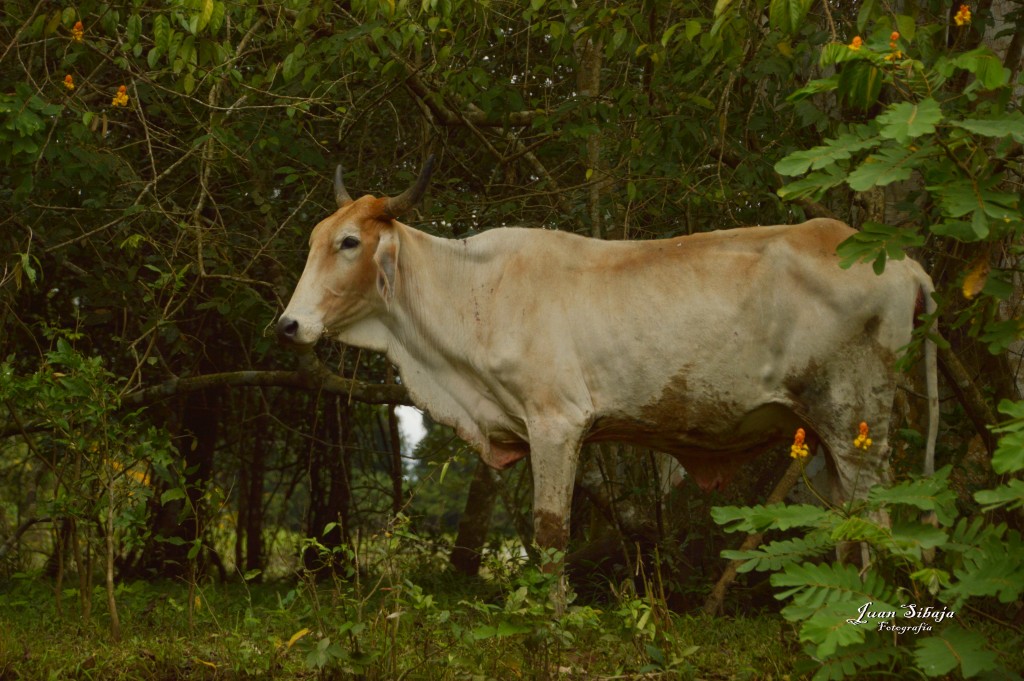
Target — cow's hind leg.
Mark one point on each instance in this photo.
(855, 464)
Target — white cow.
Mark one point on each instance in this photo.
(711, 347)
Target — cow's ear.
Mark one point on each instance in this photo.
(386, 258)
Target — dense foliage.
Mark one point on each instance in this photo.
(164, 163)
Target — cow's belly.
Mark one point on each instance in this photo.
(711, 447)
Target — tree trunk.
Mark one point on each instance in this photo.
(329, 481)
(475, 521)
(254, 508)
(588, 80)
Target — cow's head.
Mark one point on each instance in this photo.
(352, 267)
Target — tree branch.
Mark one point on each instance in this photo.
(312, 375)
(370, 393)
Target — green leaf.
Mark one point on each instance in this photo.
(814, 185)
(876, 243)
(857, 528)
(847, 662)
(888, 165)
(205, 12)
(1005, 124)
(813, 585)
(867, 9)
(837, 53)
(985, 66)
(977, 197)
(693, 29)
(815, 158)
(829, 629)
(778, 553)
(860, 83)
(787, 15)
(217, 17)
(912, 539)
(905, 121)
(999, 336)
(504, 628)
(957, 229)
(954, 647)
(134, 29)
(1009, 454)
(1010, 494)
(720, 7)
(161, 34)
(907, 26)
(773, 516)
(814, 87)
(990, 574)
(927, 494)
(172, 494)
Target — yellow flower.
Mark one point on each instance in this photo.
(855, 43)
(69, 82)
(77, 32)
(862, 441)
(963, 16)
(799, 450)
(121, 98)
(893, 56)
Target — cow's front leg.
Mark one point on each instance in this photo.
(554, 454)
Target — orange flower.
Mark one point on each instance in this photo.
(77, 32)
(69, 82)
(963, 16)
(121, 98)
(799, 449)
(862, 441)
(855, 43)
(893, 45)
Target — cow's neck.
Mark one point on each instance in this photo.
(431, 316)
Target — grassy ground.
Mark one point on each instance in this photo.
(446, 629)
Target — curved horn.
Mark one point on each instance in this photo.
(340, 193)
(397, 205)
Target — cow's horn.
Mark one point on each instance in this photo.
(397, 205)
(340, 193)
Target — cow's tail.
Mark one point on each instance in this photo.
(931, 373)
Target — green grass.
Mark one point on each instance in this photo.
(376, 628)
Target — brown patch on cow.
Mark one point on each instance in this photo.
(550, 531)
(807, 386)
(710, 434)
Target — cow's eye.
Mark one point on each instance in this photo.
(349, 242)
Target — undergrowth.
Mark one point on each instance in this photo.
(935, 573)
(417, 626)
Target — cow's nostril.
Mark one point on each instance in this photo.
(287, 329)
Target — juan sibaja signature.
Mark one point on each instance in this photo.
(909, 612)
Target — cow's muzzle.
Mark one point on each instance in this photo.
(288, 330)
